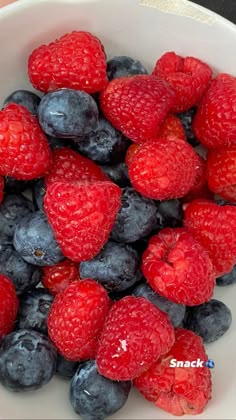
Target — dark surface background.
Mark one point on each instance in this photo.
(226, 8)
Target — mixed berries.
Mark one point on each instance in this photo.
(114, 231)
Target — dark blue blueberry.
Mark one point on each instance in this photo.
(210, 320)
(34, 240)
(221, 202)
(68, 113)
(94, 397)
(66, 368)
(104, 145)
(136, 217)
(27, 360)
(34, 309)
(118, 173)
(26, 98)
(187, 119)
(56, 143)
(12, 210)
(227, 279)
(15, 186)
(39, 191)
(23, 275)
(116, 267)
(169, 214)
(124, 66)
(175, 311)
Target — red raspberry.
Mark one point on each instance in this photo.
(25, 152)
(137, 105)
(135, 334)
(57, 277)
(221, 172)
(178, 390)
(70, 166)
(1, 188)
(131, 152)
(178, 267)
(76, 60)
(200, 187)
(215, 121)
(8, 305)
(76, 319)
(172, 126)
(82, 216)
(158, 169)
(214, 226)
(188, 77)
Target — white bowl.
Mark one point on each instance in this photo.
(141, 30)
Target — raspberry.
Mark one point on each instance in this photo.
(82, 216)
(214, 226)
(70, 166)
(178, 390)
(8, 305)
(135, 335)
(200, 187)
(25, 153)
(158, 169)
(221, 172)
(137, 105)
(57, 277)
(177, 267)
(131, 152)
(215, 121)
(76, 60)
(1, 188)
(188, 77)
(76, 319)
(172, 126)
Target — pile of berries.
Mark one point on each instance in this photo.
(114, 231)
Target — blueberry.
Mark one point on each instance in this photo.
(94, 397)
(26, 98)
(116, 267)
(23, 275)
(34, 240)
(118, 173)
(56, 143)
(221, 202)
(12, 210)
(39, 191)
(175, 311)
(68, 113)
(66, 368)
(227, 279)
(136, 217)
(210, 320)
(15, 186)
(187, 119)
(104, 145)
(34, 309)
(124, 66)
(169, 214)
(27, 360)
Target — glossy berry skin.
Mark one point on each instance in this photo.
(104, 144)
(177, 267)
(116, 267)
(66, 368)
(178, 390)
(137, 105)
(214, 123)
(82, 216)
(172, 125)
(135, 219)
(210, 320)
(76, 319)
(33, 311)
(221, 172)
(175, 311)
(8, 305)
(214, 227)
(159, 171)
(227, 279)
(35, 241)
(25, 153)
(25, 98)
(135, 335)
(200, 188)
(27, 360)
(117, 173)
(68, 113)
(187, 121)
(57, 277)
(12, 210)
(76, 60)
(94, 397)
(121, 66)
(169, 214)
(188, 77)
